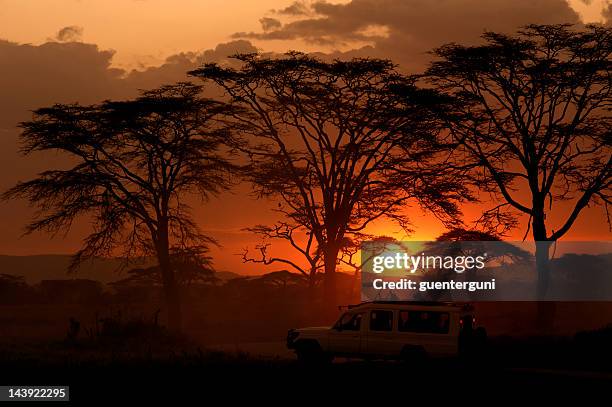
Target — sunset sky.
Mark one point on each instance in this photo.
(145, 32)
(89, 50)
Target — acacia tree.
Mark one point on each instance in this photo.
(307, 249)
(340, 143)
(348, 258)
(133, 163)
(533, 122)
(353, 257)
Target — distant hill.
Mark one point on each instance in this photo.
(55, 266)
(227, 275)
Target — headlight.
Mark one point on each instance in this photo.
(292, 336)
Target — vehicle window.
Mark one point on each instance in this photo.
(350, 322)
(423, 321)
(381, 320)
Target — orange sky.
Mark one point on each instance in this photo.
(145, 32)
(141, 31)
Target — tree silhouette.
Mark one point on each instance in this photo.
(470, 242)
(133, 163)
(354, 257)
(533, 122)
(189, 266)
(341, 144)
(307, 249)
(461, 242)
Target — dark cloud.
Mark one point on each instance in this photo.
(175, 67)
(297, 8)
(70, 33)
(32, 76)
(413, 27)
(268, 23)
(222, 52)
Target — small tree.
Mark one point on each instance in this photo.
(533, 122)
(352, 254)
(341, 144)
(190, 266)
(308, 250)
(133, 163)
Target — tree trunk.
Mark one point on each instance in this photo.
(172, 298)
(330, 289)
(542, 253)
(170, 286)
(312, 285)
(356, 286)
(546, 309)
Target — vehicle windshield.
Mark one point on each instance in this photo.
(349, 322)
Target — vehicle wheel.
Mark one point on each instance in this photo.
(473, 346)
(414, 355)
(310, 353)
(480, 338)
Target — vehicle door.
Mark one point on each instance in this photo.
(381, 339)
(428, 329)
(345, 337)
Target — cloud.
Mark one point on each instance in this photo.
(268, 23)
(71, 33)
(413, 27)
(32, 76)
(297, 8)
(222, 52)
(175, 67)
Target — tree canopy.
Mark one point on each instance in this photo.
(534, 119)
(340, 143)
(132, 165)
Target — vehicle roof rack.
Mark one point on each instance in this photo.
(426, 303)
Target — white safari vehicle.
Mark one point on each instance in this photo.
(390, 330)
